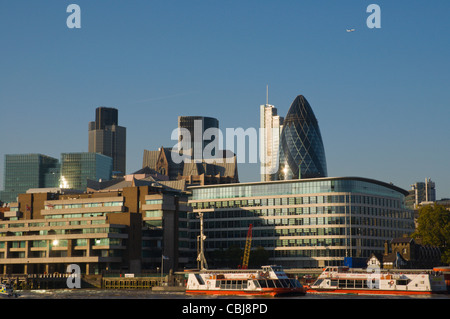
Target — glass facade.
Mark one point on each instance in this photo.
(197, 125)
(302, 154)
(271, 124)
(25, 171)
(77, 168)
(106, 116)
(303, 223)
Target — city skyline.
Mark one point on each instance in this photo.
(379, 94)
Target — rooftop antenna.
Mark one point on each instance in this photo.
(267, 94)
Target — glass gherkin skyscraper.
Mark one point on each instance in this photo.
(302, 154)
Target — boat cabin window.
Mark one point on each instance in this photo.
(287, 283)
(359, 283)
(352, 283)
(282, 283)
(199, 279)
(263, 283)
(232, 284)
(318, 282)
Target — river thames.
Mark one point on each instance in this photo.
(149, 294)
(112, 303)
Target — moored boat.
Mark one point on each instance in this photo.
(342, 280)
(267, 281)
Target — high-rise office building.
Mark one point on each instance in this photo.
(421, 192)
(271, 125)
(108, 138)
(197, 126)
(77, 168)
(25, 171)
(302, 154)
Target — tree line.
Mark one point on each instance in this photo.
(433, 228)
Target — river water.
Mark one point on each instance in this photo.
(116, 303)
(149, 294)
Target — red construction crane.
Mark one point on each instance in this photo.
(248, 245)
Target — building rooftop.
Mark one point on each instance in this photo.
(363, 179)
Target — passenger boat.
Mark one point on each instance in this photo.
(342, 280)
(267, 281)
(6, 290)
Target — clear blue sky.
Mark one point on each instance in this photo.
(381, 96)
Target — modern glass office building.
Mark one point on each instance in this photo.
(197, 126)
(302, 223)
(77, 168)
(271, 124)
(25, 171)
(302, 154)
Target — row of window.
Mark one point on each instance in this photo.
(353, 210)
(304, 200)
(264, 233)
(55, 223)
(296, 187)
(261, 283)
(64, 242)
(63, 253)
(111, 230)
(83, 205)
(217, 225)
(154, 201)
(375, 239)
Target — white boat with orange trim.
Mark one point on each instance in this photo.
(267, 281)
(342, 280)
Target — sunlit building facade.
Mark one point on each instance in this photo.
(302, 223)
(271, 125)
(124, 228)
(25, 171)
(302, 154)
(77, 168)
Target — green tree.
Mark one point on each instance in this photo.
(258, 257)
(233, 256)
(434, 228)
(229, 258)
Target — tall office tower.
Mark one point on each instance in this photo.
(108, 138)
(77, 168)
(197, 126)
(271, 125)
(302, 154)
(421, 192)
(25, 171)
